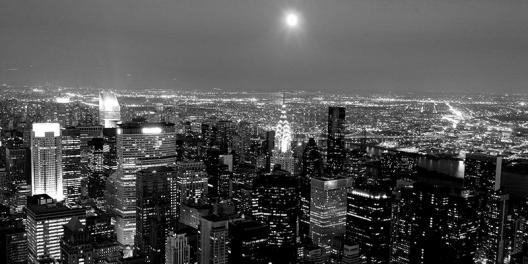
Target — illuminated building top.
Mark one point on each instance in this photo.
(40, 129)
(109, 109)
(283, 135)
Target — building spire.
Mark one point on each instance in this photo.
(283, 134)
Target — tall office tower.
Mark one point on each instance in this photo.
(103, 239)
(208, 132)
(311, 167)
(335, 157)
(520, 231)
(139, 146)
(109, 109)
(18, 169)
(44, 226)
(368, 221)
(242, 187)
(268, 146)
(153, 212)
(110, 150)
(213, 248)
(71, 164)
(328, 209)
(248, 240)
(190, 184)
(46, 160)
(224, 184)
(177, 248)
(94, 184)
(311, 159)
(224, 135)
(435, 221)
(242, 140)
(13, 242)
(275, 203)
(75, 243)
(483, 177)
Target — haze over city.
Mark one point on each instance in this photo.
(341, 46)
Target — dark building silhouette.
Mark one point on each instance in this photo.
(435, 221)
(75, 243)
(276, 205)
(369, 221)
(311, 167)
(248, 242)
(483, 175)
(13, 242)
(17, 181)
(335, 156)
(153, 212)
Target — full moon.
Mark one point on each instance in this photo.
(292, 19)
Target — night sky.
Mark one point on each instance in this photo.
(352, 46)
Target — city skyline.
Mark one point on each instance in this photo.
(264, 132)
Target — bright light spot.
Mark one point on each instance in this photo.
(292, 19)
(151, 130)
(40, 129)
(522, 103)
(62, 100)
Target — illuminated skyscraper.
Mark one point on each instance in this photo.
(44, 226)
(369, 221)
(109, 109)
(46, 160)
(336, 139)
(282, 154)
(311, 167)
(139, 146)
(283, 133)
(188, 184)
(328, 212)
(71, 161)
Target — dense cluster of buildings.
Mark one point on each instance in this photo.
(105, 188)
